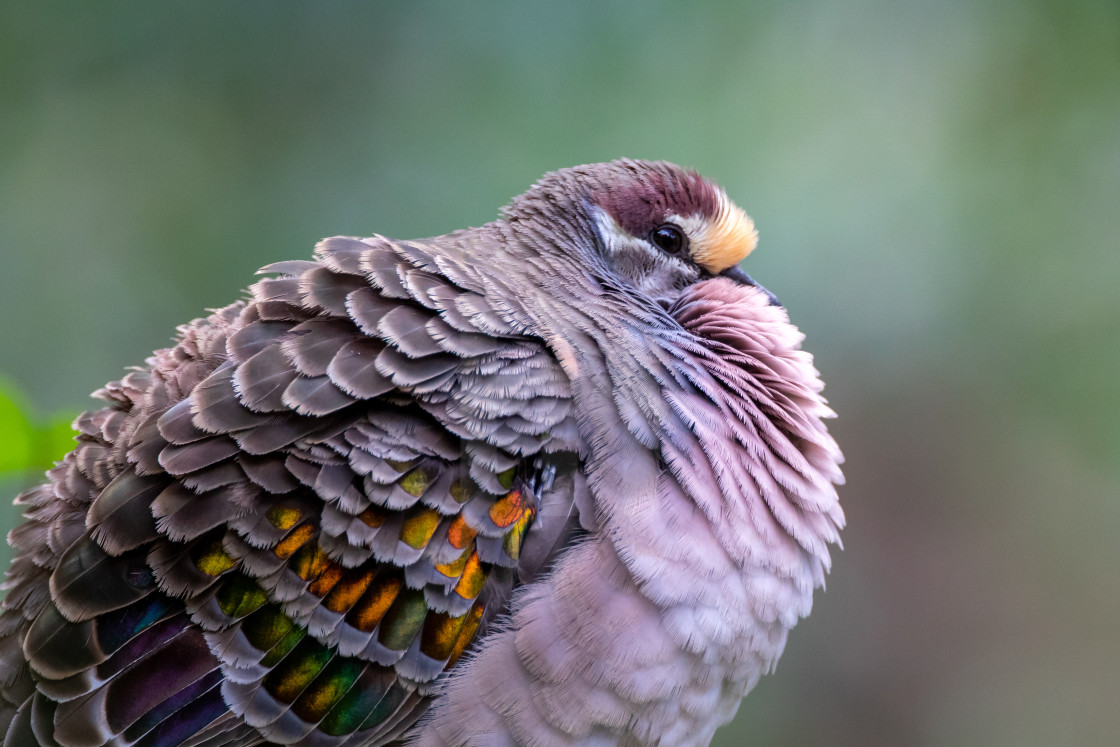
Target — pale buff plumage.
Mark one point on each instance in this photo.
(721, 242)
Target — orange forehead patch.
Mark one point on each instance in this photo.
(722, 241)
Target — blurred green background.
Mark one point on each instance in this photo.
(937, 189)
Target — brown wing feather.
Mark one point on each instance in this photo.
(319, 498)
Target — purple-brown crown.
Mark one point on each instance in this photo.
(642, 195)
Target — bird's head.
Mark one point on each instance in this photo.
(653, 225)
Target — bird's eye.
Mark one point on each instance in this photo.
(669, 239)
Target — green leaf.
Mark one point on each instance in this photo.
(16, 433)
(26, 442)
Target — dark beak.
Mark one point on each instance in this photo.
(736, 273)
